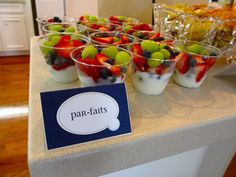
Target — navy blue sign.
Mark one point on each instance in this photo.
(80, 115)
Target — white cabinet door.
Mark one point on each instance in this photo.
(13, 32)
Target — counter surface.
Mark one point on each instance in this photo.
(178, 120)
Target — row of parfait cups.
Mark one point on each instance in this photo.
(97, 56)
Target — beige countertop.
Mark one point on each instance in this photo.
(178, 120)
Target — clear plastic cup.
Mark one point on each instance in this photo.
(119, 20)
(102, 27)
(150, 75)
(139, 30)
(56, 48)
(100, 70)
(112, 38)
(49, 19)
(194, 61)
(64, 27)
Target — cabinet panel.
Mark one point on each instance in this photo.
(13, 32)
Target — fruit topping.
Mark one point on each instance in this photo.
(200, 71)
(89, 51)
(149, 46)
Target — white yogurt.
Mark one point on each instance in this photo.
(86, 80)
(188, 79)
(150, 83)
(67, 74)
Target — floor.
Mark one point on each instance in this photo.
(14, 84)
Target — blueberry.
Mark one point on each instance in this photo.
(213, 54)
(99, 49)
(62, 30)
(59, 21)
(159, 39)
(51, 59)
(166, 47)
(112, 28)
(103, 35)
(167, 63)
(105, 73)
(192, 62)
(55, 19)
(171, 52)
(146, 54)
(141, 36)
(83, 41)
(110, 61)
(158, 77)
(175, 53)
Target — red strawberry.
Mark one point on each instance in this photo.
(113, 18)
(50, 20)
(140, 63)
(107, 40)
(64, 40)
(198, 59)
(95, 26)
(103, 28)
(200, 70)
(124, 39)
(117, 43)
(182, 63)
(156, 35)
(81, 18)
(130, 31)
(77, 43)
(137, 49)
(116, 70)
(143, 26)
(101, 58)
(64, 49)
(210, 62)
(160, 70)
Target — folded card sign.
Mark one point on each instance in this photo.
(80, 115)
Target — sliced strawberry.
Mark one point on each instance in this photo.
(107, 40)
(113, 18)
(130, 31)
(101, 58)
(51, 20)
(81, 18)
(116, 70)
(103, 28)
(156, 35)
(117, 43)
(143, 26)
(200, 71)
(64, 49)
(137, 49)
(64, 40)
(124, 39)
(160, 70)
(95, 26)
(77, 43)
(210, 62)
(140, 63)
(182, 63)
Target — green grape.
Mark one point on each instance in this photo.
(89, 52)
(55, 39)
(166, 53)
(122, 57)
(116, 39)
(93, 18)
(47, 47)
(156, 59)
(56, 28)
(149, 46)
(121, 18)
(110, 51)
(195, 48)
(70, 29)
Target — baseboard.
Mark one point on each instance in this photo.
(14, 52)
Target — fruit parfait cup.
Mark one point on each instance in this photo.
(152, 66)
(85, 19)
(54, 19)
(102, 27)
(64, 27)
(56, 48)
(119, 20)
(194, 61)
(139, 30)
(112, 38)
(101, 64)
